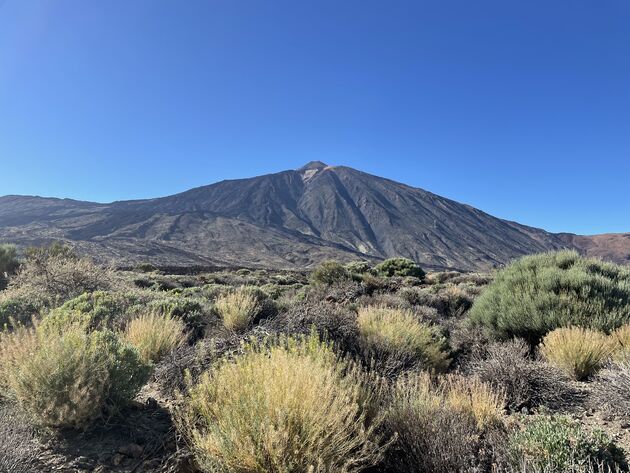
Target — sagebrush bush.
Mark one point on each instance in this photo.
(540, 293)
(237, 309)
(441, 426)
(558, 444)
(578, 351)
(68, 377)
(329, 272)
(289, 407)
(154, 335)
(397, 338)
(399, 267)
(526, 382)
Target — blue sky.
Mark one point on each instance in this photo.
(520, 108)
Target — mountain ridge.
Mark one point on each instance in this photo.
(290, 219)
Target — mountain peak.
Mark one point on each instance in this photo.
(313, 166)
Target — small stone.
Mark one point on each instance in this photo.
(625, 425)
(525, 410)
(118, 459)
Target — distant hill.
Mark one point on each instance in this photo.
(290, 219)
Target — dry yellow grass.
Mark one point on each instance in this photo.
(473, 397)
(287, 408)
(154, 335)
(466, 396)
(620, 340)
(392, 330)
(237, 309)
(580, 352)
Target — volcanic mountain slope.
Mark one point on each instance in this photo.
(290, 219)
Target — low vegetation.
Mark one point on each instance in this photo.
(540, 293)
(398, 337)
(69, 377)
(349, 367)
(237, 309)
(155, 335)
(289, 407)
(559, 444)
(578, 351)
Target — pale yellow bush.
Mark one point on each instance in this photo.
(155, 335)
(291, 407)
(397, 332)
(473, 397)
(67, 378)
(580, 352)
(237, 309)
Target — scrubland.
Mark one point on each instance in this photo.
(343, 368)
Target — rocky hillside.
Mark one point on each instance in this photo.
(289, 219)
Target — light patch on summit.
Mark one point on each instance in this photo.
(310, 169)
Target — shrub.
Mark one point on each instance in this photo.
(358, 267)
(237, 309)
(559, 444)
(331, 321)
(473, 398)
(540, 293)
(399, 267)
(289, 407)
(55, 274)
(18, 307)
(439, 430)
(99, 309)
(67, 378)
(155, 335)
(9, 262)
(527, 383)
(397, 339)
(329, 272)
(579, 352)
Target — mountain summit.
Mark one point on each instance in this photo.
(290, 219)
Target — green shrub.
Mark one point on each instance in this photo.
(9, 262)
(329, 272)
(558, 444)
(97, 309)
(290, 407)
(18, 307)
(540, 293)
(69, 377)
(397, 339)
(578, 351)
(358, 267)
(399, 267)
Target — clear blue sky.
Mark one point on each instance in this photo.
(520, 108)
